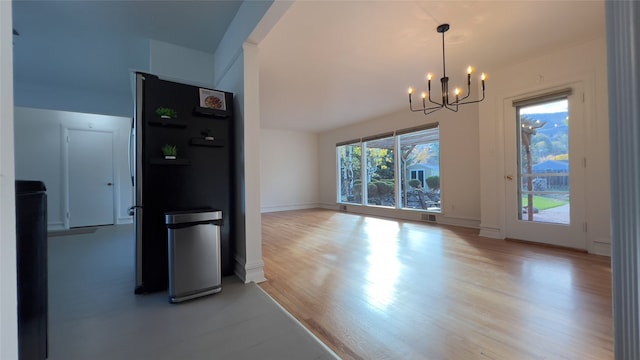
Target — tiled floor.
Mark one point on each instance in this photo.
(93, 313)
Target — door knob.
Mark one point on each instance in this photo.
(109, 184)
(509, 177)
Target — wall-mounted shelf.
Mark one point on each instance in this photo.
(205, 142)
(174, 123)
(163, 161)
(212, 113)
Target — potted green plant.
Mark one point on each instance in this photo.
(169, 151)
(207, 134)
(166, 113)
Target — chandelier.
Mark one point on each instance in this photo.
(460, 99)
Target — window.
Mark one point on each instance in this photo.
(543, 161)
(420, 168)
(400, 170)
(380, 171)
(349, 185)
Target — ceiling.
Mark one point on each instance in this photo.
(92, 45)
(325, 64)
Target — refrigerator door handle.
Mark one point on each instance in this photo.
(129, 149)
(132, 209)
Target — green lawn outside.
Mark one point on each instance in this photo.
(543, 203)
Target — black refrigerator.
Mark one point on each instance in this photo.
(181, 150)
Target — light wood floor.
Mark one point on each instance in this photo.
(374, 288)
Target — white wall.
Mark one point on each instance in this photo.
(183, 64)
(472, 145)
(236, 70)
(68, 99)
(459, 162)
(118, 102)
(233, 81)
(249, 18)
(288, 170)
(39, 155)
(9, 298)
(585, 63)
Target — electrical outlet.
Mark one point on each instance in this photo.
(343, 207)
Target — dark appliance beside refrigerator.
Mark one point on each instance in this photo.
(196, 122)
(31, 256)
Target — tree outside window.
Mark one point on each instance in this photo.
(350, 187)
(380, 170)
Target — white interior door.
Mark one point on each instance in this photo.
(90, 174)
(544, 164)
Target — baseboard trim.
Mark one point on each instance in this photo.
(248, 272)
(601, 248)
(124, 220)
(268, 209)
(458, 221)
(329, 206)
(404, 214)
(55, 225)
(491, 232)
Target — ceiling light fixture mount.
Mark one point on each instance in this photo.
(444, 82)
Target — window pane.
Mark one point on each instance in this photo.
(349, 171)
(380, 172)
(420, 169)
(543, 134)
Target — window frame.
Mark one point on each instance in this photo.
(355, 142)
(397, 170)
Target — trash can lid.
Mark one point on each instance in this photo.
(187, 216)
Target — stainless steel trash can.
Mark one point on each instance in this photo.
(194, 253)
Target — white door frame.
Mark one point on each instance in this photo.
(574, 235)
(65, 169)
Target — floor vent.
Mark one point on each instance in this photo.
(429, 217)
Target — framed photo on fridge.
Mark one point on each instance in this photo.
(212, 99)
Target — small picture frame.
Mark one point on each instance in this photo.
(212, 99)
